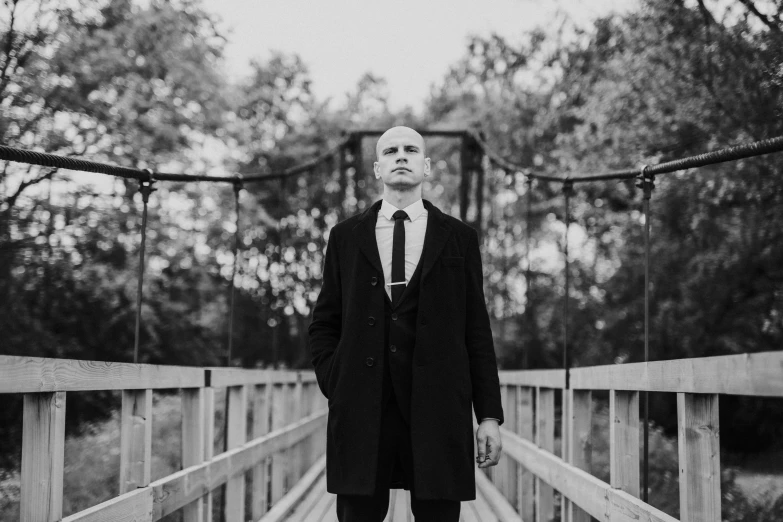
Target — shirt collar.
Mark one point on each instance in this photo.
(413, 210)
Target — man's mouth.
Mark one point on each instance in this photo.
(401, 168)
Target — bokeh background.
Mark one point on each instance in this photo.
(231, 87)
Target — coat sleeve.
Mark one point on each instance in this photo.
(325, 329)
(478, 339)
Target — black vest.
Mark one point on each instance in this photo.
(400, 339)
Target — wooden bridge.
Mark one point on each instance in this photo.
(276, 423)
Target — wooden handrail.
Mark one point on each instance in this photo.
(698, 382)
(290, 397)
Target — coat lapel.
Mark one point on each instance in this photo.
(435, 238)
(365, 235)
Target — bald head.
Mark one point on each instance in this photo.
(399, 134)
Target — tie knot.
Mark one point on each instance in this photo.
(400, 214)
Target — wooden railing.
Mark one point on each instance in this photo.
(287, 436)
(528, 435)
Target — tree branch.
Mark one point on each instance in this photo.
(11, 200)
(761, 16)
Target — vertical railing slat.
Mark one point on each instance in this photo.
(510, 414)
(209, 442)
(525, 423)
(580, 445)
(279, 459)
(135, 439)
(699, 456)
(624, 441)
(545, 439)
(261, 398)
(193, 443)
(236, 436)
(43, 452)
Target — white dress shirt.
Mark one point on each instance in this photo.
(415, 228)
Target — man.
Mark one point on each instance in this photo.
(401, 345)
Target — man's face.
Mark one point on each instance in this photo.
(401, 163)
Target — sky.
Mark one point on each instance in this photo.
(409, 43)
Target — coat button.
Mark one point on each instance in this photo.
(394, 317)
(374, 281)
(370, 361)
(371, 320)
(393, 348)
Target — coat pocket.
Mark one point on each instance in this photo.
(453, 261)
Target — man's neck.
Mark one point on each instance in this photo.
(400, 199)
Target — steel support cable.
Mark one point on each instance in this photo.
(145, 189)
(568, 190)
(237, 189)
(746, 150)
(528, 272)
(52, 160)
(647, 184)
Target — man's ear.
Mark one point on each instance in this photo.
(427, 167)
(377, 169)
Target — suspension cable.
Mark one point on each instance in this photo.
(145, 189)
(746, 150)
(52, 160)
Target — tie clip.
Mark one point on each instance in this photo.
(397, 283)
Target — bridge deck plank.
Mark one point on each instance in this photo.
(318, 505)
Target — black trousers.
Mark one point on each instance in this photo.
(394, 449)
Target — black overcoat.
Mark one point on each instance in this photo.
(454, 362)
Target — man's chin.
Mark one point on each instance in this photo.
(402, 186)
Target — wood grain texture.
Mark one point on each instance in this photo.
(236, 436)
(698, 443)
(43, 452)
(179, 489)
(598, 498)
(193, 443)
(499, 505)
(512, 475)
(224, 377)
(279, 462)
(525, 423)
(135, 439)
(759, 374)
(535, 378)
(624, 441)
(262, 395)
(209, 443)
(545, 439)
(286, 505)
(37, 374)
(134, 506)
(580, 445)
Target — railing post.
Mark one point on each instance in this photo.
(193, 443)
(236, 435)
(580, 445)
(261, 402)
(525, 423)
(545, 439)
(135, 439)
(624, 440)
(698, 443)
(43, 451)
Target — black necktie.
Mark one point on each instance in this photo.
(398, 256)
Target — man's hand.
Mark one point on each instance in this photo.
(488, 442)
